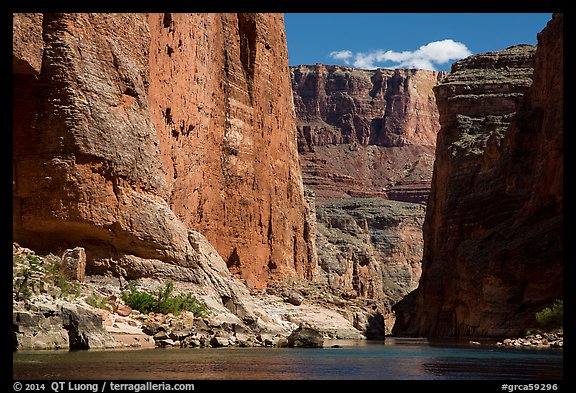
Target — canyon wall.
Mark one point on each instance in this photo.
(370, 248)
(366, 141)
(366, 133)
(227, 137)
(131, 129)
(493, 228)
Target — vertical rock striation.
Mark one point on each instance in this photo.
(130, 130)
(227, 138)
(85, 152)
(342, 105)
(493, 227)
(371, 248)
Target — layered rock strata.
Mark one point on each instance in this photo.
(371, 248)
(130, 130)
(366, 141)
(342, 105)
(493, 228)
(366, 133)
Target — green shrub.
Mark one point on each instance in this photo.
(24, 279)
(22, 285)
(97, 301)
(31, 274)
(551, 317)
(182, 302)
(164, 302)
(137, 300)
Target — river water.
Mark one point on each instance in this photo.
(395, 359)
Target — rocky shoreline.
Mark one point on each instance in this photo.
(537, 340)
(56, 312)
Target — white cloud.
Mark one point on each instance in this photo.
(343, 55)
(367, 60)
(425, 57)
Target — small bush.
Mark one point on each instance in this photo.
(22, 286)
(551, 317)
(24, 280)
(97, 301)
(31, 274)
(164, 302)
(137, 300)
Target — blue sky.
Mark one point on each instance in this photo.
(412, 40)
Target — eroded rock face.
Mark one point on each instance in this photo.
(366, 133)
(343, 105)
(85, 153)
(366, 142)
(227, 138)
(27, 43)
(132, 129)
(493, 228)
(59, 326)
(371, 247)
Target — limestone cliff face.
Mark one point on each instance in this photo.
(371, 248)
(337, 104)
(493, 228)
(366, 142)
(132, 129)
(366, 133)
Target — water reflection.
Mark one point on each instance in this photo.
(393, 359)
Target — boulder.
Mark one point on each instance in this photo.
(32, 330)
(167, 343)
(161, 335)
(219, 341)
(282, 342)
(123, 310)
(305, 337)
(85, 329)
(59, 325)
(295, 298)
(74, 263)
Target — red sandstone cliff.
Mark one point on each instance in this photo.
(227, 137)
(130, 129)
(493, 229)
(338, 104)
(366, 133)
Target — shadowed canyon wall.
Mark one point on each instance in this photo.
(370, 248)
(131, 128)
(493, 228)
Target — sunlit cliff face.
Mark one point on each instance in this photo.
(118, 139)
